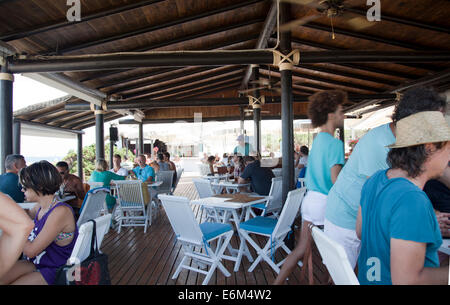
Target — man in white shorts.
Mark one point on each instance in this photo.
(325, 161)
(368, 157)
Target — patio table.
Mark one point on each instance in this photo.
(445, 247)
(232, 203)
(229, 186)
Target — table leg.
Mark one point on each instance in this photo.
(243, 249)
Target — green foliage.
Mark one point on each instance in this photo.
(89, 158)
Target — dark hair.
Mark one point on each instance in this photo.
(416, 100)
(410, 159)
(304, 150)
(166, 154)
(322, 103)
(118, 156)
(211, 158)
(12, 159)
(248, 159)
(160, 156)
(62, 164)
(42, 177)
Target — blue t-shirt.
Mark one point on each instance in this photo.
(368, 157)
(144, 173)
(326, 152)
(9, 185)
(393, 208)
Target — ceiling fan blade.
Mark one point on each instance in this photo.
(360, 23)
(310, 3)
(261, 81)
(296, 23)
(251, 90)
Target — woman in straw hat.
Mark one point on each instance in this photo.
(396, 222)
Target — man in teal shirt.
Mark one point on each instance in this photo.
(9, 181)
(244, 148)
(144, 172)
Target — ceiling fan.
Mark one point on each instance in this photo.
(329, 8)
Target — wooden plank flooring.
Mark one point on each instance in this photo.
(136, 258)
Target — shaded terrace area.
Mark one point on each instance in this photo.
(136, 258)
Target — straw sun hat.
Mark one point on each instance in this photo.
(420, 128)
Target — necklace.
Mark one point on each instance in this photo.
(50, 206)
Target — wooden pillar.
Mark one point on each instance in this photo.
(256, 112)
(6, 116)
(242, 116)
(141, 139)
(99, 134)
(287, 114)
(16, 137)
(80, 156)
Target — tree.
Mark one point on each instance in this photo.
(89, 159)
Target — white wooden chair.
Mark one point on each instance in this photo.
(195, 238)
(94, 184)
(134, 208)
(275, 230)
(179, 173)
(334, 258)
(82, 246)
(167, 178)
(274, 201)
(94, 205)
(204, 190)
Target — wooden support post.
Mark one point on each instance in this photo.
(6, 116)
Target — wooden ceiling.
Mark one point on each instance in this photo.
(40, 27)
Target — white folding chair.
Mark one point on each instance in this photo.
(334, 258)
(274, 200)
(133, 206)
(179, 173)
(82, 247)
(275, 230)
(192, 235)
(204, 190)
(94, 205)
(167, 178)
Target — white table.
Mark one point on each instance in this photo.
(27, 205)
(445, 247)
(216, 178)
(229, 186)
(222, 203)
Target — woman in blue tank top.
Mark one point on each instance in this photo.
(53, 237)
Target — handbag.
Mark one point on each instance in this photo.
(92, 271)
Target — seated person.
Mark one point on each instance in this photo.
(260, 177)
(53, 238)
(396, 223)
(71, 185)
(101, 174)
(239, 166)
(144, 172)
(117, 168)
(15, 226)
(9, 181)
(210, 161)
(172, 166)
(163, 166)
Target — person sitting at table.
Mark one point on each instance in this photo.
(172, 166)
(9, 181)
(15, 226)
(239, 166)
(259, 177)
(117, 168)
(55, 232)
(144, 172)
(72, 185)
(210, 161)
(396, 223)
(163, 166)
(101, 174)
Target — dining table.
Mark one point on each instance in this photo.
(229, 186)
(445, 247)
(235, 208)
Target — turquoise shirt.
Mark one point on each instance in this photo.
(144, 173)
(394, 208)
(326, 152)
(106, 177)
(243, 150)
(368, 156)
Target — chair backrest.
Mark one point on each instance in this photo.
(95, 184)
(222, 170)
(179, 173)
(167, 178)
(204, 188)
(82, 247)
(277, 172)
(93, 205)
(203, 169)
(276, 201)
(334, 258)
(296, 173)
(131, 191)
(289, 212)
(182, 219)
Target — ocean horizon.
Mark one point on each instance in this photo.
(51, 159)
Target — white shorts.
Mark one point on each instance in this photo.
(313, 207)
(346, 238)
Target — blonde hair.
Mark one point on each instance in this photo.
(101, 165)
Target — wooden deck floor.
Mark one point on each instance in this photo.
(136, 258)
